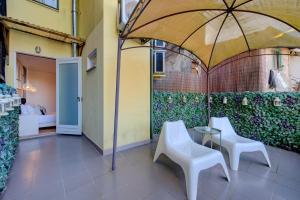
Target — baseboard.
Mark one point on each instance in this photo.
(121, 148)
(93, 143)
(126, 147)
(30, 137)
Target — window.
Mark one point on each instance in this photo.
(158, 57)
(92, 60)
(50, 3)
(159, 43)
(159, 61)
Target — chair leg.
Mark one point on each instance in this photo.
(225, 169)
(264, 152)
(234, 158)
(158, 151)
(191, 180)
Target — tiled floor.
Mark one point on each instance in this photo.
(69, 168)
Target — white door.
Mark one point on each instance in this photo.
(68, 96)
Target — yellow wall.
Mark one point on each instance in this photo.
(26, 43)
(89, 15)
(92, 88)
(134, 121)
(97, 23)
(99, 86)
(90, 25)
(26, 10)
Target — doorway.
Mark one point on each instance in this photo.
(51, 95)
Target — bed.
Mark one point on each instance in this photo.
(47, 120)
(32, 119)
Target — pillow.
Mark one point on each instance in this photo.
(30, 110)
(37, 110)
(43, 110)
(24, 110)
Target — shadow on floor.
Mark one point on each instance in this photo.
(70, 168)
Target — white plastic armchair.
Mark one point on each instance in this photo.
(233, 143)
(176, 143)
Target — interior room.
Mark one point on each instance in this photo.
(36, 83)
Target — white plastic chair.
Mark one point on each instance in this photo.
(176, 143)
(233, 143)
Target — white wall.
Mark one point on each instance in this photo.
(45, 85)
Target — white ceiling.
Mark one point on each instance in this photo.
(37, 63)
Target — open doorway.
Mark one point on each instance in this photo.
(36, 83)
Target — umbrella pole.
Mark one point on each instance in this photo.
(116, 120)
(208, 95)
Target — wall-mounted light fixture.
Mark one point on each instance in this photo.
(38, 49)
(245, 101)
(225, 100)
(197, 100)
(277, 102)
(28, 87)
(9, 103)
(170, 100)
(3, 103)
(210, 100)
(184, 99)
(16, 100)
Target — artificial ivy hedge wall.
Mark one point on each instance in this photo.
(9, 139)
(170, 106)
(260, 119)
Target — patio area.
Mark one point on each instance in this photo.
(61, 168)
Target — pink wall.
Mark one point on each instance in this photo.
(45, 84)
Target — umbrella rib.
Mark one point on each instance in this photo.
(266, 15)
(196, 30)
(225, 4)
(137, 17)
(241, 30)
(212, 51)
(233, 3)
(167, 49)
(151, 38)
(242, 4)
(170, 15)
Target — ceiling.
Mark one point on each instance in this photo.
(37, 63)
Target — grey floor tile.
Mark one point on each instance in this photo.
(85, 192)
(285, 193)
(71, 183)
(69, 168)
(159, 195)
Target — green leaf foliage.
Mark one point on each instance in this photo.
(9, 139)
(259, 120)
(189, 107)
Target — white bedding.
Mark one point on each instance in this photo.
(45, 119)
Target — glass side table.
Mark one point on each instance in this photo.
(210, 131)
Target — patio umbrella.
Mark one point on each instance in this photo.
(212, 30)
(215, 30)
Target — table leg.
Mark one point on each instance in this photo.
(220, 142)
(211, 141)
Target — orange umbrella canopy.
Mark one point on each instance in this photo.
(215, 30)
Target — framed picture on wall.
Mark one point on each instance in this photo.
(92, 60)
